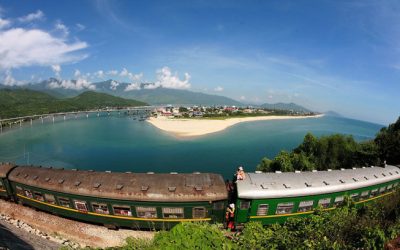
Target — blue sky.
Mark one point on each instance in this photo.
(325, 55)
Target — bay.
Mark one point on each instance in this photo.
(119, 143)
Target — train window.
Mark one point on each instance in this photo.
(354, 196)
(38, 196)
(284, 208)
(28, 193)
(382, 190)
(339, 200)
(199, 212)
(395, 184)
(389, 187)
(219, 205)
(19, 189)
(305, 206)
(1, 184)
(100, 208)
(374, 192)
(172, 212)
(50, 198)
(244, 205)
(324, 202)
(122, 210)
(81, 206)
(364, 195)
(146, 212)
(262, 209)
(64, 202)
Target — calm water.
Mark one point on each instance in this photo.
(119, 143)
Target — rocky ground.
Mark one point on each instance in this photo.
(39, 230)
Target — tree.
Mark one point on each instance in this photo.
(388, 142)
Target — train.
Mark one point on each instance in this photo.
(162, 200)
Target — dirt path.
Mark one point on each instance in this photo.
(61, 230)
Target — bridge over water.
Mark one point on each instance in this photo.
(142, 110)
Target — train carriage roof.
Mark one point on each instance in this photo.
(5, 169)
(125, 186)
(294, 184)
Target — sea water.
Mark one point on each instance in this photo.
(119, 143)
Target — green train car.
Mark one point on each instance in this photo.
(132, 200)
(274, 197)
(5, 189)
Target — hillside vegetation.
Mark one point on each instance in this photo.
(23, 102)
(338, 151)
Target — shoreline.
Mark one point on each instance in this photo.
(198, 127)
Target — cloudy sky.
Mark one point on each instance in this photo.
(325, 55)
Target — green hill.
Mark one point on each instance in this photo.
(285, 106)
(23, 102)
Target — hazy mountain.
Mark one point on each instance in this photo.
(332, 113)
(285, 106)
(23, 102)
(152, 96)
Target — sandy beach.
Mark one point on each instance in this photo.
(199, 127)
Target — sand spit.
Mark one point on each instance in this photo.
(199, 127)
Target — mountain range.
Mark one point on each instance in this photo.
(146, 92)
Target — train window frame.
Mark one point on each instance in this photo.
(284, 208)
(125, 208)
(324, 202)
(100, 208)
(305, 206)
(28, 193)
(201, 210)
(50, 198)
(219, 205)
(38, 196)
(173, 212)
(64, 202)
(146, 212)
(338, 200)
(374, 192)
(364, 195)
(81, 206)
(244, 205)
(262, 209)
(20, 190)
(355, 196)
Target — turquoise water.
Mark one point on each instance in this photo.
(119, 143)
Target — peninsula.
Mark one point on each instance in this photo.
(197, 127)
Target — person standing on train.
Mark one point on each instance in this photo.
(240, 175)
(230, 217)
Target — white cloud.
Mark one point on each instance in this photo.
(38, 15)
(9, 80)
(168, 80)
(132, 86)
(56, 69)
(61, 27)
(242, 98)
(112, 72)
(4, 23)
(80, 27)
(99, 74)
(114, 85)
(219, 89)
(132, 77)
(77, 73)
(78, 84)
(27, 47)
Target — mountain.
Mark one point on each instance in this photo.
(145, 93)
(23, 102)
(285, 106)
(332, 113)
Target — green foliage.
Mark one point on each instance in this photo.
(23, 102)
(388, 142)
(192, 236)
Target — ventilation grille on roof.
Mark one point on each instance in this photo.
(119, 186)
